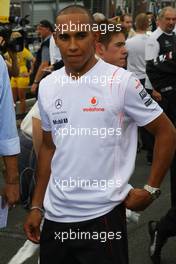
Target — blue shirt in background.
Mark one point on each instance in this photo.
(9, 140)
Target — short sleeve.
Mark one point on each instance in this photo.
(45, 54)
(9, 140)
(138, 104)
(45, 121)
(36, 113)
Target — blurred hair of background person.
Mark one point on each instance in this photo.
(100, 18)
(111, 46)
(20, 82)
(127, 23)
(42, 60)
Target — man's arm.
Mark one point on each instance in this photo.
(164, 148)
(36, 134)
(40, 73)
(11, 188)
(32, 225)
(165, 145)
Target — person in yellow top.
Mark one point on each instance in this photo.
(21, 82)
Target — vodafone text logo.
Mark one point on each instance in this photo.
(94, 102)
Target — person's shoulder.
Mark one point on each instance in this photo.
(107, 66)
(131, 42)
(26, 51)
(2, 62)
(50, 80)
(155, 34)
(117, 72)
(3, 66)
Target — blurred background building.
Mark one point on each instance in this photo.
(40, 9)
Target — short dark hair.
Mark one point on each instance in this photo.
(46, 24)
(77, 9)
(106, 37)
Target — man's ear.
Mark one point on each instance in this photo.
(100, 48)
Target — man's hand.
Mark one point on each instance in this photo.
(156, 96)
(10, 193)
(32, 225)
(138, 200)
(11, 176)
(34, 88)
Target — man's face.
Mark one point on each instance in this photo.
(43, 32)
(115, 53)
(76, 43)
(127, 23)
(167, 22)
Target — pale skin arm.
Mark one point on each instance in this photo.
(11, 189)
(164, 149)
(33, 221)
(36, 134)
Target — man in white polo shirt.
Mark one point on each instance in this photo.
(90, 111)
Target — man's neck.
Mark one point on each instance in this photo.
(167, 33)
(76, 74)
(46, 37)
(141, 31)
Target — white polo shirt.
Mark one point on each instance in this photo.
(93, 121)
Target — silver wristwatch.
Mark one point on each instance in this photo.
(155, 192)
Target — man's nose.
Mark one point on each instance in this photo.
(73, 44)
(124, 50)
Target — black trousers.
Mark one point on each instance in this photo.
(167, 224)
(102, 240)
(168, 104)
